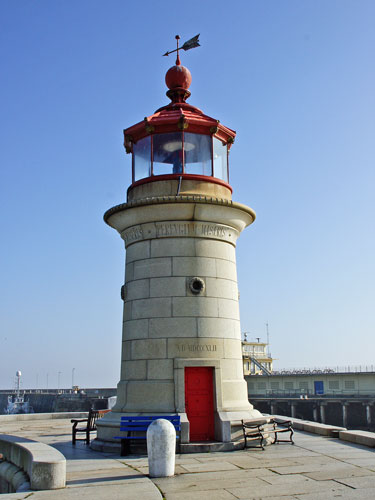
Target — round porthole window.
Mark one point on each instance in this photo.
(196, 285)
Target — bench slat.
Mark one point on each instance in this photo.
(138, 417)
(142, 428)
(143, 422)
(132, 437)
(135, 420)
(129, 437)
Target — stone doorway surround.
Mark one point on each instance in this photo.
(226, 429)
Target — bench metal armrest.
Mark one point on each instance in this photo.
(282, 423)
(251, 432)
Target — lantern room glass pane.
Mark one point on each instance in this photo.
(220, 160)
(197, 150)
(167, 150)
(142, 158)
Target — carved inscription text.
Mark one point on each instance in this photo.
(190, 229)
(133, 234)
(196, 348)
(182, 229)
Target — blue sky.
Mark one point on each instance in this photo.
(294, 78)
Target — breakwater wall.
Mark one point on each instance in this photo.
(61, 401)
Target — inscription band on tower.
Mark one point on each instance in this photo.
(175, 229)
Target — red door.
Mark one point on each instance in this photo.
(199, 403)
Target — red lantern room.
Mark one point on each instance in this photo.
(180, 143)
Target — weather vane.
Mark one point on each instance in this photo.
(190, 44)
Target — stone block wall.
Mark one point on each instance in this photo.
(165, 320)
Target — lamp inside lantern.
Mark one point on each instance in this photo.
(176, 145)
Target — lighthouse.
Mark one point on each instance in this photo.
(181, 342)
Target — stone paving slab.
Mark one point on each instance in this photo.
(93, 465)
(232, 477)
(352, 454)
(14, 496)
(180, 459)
(211, 466)
(316, 471)
(360, 482)
(245, 462)
(319, 460)
(368, 463)
(363, 493)
(287, 479)
(178, 470)
(277, 498)
(103, 476)
(202, 495)
(287, 489)
(197, 468)
(170, 487)
(121, 491)
(337, 472)
(285, 451)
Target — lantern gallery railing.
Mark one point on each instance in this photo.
(180, 153)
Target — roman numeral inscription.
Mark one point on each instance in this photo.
(196, 348)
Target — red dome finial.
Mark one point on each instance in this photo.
(178, 78)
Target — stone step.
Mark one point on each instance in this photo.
(209, 446)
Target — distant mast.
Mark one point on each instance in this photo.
(268, 341)
(17, 404)
(18, 382)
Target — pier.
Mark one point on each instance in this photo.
(351, 412)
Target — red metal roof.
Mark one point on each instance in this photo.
(177, 116)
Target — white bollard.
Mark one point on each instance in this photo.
(161, 448)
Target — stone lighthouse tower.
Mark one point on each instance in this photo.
(181, 345)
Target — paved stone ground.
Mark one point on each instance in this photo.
(314, 468)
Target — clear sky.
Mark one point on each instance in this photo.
(294, 78)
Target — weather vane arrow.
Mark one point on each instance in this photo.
(190, 44)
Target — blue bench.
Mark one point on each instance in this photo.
(135, 424)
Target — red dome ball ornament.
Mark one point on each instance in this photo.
(178, 77)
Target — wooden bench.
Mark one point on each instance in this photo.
(261, 431)
(139, 424)
(280, 426)
(89, 425)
